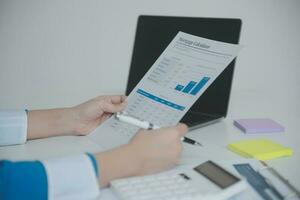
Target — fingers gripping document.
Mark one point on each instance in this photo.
(175, 81)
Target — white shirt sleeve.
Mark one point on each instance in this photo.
(13, 127)
(72, 177)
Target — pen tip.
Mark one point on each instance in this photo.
(199, 144)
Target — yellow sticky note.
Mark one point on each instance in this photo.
(261, 149)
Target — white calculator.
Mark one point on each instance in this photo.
(206, 181)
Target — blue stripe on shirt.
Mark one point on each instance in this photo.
(94, 162)
(23, 180)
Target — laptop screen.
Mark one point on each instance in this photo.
(153, 35)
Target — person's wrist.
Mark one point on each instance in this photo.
(135, 158)
(79, 126)
(118, 163)
(71, 120)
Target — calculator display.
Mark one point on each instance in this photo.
(216, 174)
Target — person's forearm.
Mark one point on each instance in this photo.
(52, 122)
(117, 163)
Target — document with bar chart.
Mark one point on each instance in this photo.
(175, 81)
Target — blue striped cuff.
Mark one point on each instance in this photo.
(94, 162)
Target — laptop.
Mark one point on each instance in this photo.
(154, 33)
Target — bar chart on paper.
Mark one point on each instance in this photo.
(192, 87)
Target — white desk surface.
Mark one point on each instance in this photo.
(215, 137)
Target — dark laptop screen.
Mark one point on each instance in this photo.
(153, 35)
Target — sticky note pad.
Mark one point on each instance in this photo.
(258, 125)
(260, 149)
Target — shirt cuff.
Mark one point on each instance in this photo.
(94, 162)
(72, 177)
(13, 127)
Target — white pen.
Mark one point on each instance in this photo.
(147, 125)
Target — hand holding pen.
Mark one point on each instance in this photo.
(147, 125)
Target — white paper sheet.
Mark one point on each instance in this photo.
(175, 81)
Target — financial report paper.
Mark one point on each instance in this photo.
(175, 81)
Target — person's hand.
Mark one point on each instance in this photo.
(157, 150)
(88, 115)
(77, 120)
(147, 152)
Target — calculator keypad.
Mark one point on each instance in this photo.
(167, 187)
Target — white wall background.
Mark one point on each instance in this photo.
(59, 53)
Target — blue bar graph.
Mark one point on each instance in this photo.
(192, 87)
(199, 86)
(189, 87)
(179, 87)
